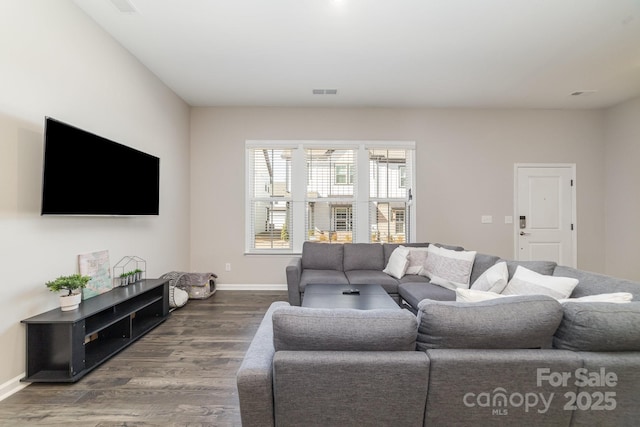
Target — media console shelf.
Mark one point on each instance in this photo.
(63, 346)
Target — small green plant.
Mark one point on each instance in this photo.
(69, 283)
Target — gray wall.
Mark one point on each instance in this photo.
(55, 61)
(465, 164)
(622, 201)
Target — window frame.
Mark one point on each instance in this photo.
(359, 222)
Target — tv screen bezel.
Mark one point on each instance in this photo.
(116, 203)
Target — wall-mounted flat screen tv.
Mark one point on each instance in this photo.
(86, 174)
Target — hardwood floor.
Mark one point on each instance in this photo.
(181, 373)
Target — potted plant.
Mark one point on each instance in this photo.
(138, 274)
(124, 279)
(72, 284)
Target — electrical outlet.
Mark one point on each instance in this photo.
(486, 219)
(227, 267)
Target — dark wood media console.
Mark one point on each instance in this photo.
(63, 346)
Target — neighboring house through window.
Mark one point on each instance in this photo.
(332, 192)
(344, 174)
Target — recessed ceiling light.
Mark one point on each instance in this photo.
(586, 92)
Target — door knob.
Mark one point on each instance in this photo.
(522, 233)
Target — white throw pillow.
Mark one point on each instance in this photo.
(417, 258)
(528, 282)
(448, 268)
(494, 279)
(398, 262)
(617, 297)
(471, 295)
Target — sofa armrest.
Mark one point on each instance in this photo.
(294, 271)
(255, 378)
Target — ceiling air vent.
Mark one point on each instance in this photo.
(325, 91)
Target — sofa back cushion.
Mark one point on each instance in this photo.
(541, 267)
(527, 321)
(592, 283)
(313, 329)
(599, 326)
(322, 256)
(481, 264)
(363, 256)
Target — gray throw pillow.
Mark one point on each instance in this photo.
(599, 326)
(527, 321)
(313, 329)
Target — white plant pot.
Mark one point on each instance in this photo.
(70, 302)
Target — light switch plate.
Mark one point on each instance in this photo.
(486, 219)
(508, 219)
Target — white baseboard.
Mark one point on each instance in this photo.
(12, 386)
(254, 287)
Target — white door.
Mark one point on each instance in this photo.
(545, 213)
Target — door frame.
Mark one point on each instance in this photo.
(574, 216)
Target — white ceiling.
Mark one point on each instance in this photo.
(384, 53)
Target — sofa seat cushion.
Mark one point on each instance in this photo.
(322, 276)
(593, 283)
(322, 256)
(599, 326)
(414, 292)
(527, 321)
(413, 278)
(376, 277)
(312, 329)
(363, 256)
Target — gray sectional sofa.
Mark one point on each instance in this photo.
(359, 263)
(523, 360)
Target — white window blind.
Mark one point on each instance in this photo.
(327, 192)
(270, 209)
(331, 192)
(390, 172)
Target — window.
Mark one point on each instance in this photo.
(398, 219)
(342, 218)
(389, 194)
(402, 180)
(329, 192)
(344, 174)
(270, 205)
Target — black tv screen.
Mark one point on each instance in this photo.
(86, 174)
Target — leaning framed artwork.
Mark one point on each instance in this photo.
(96, 266)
